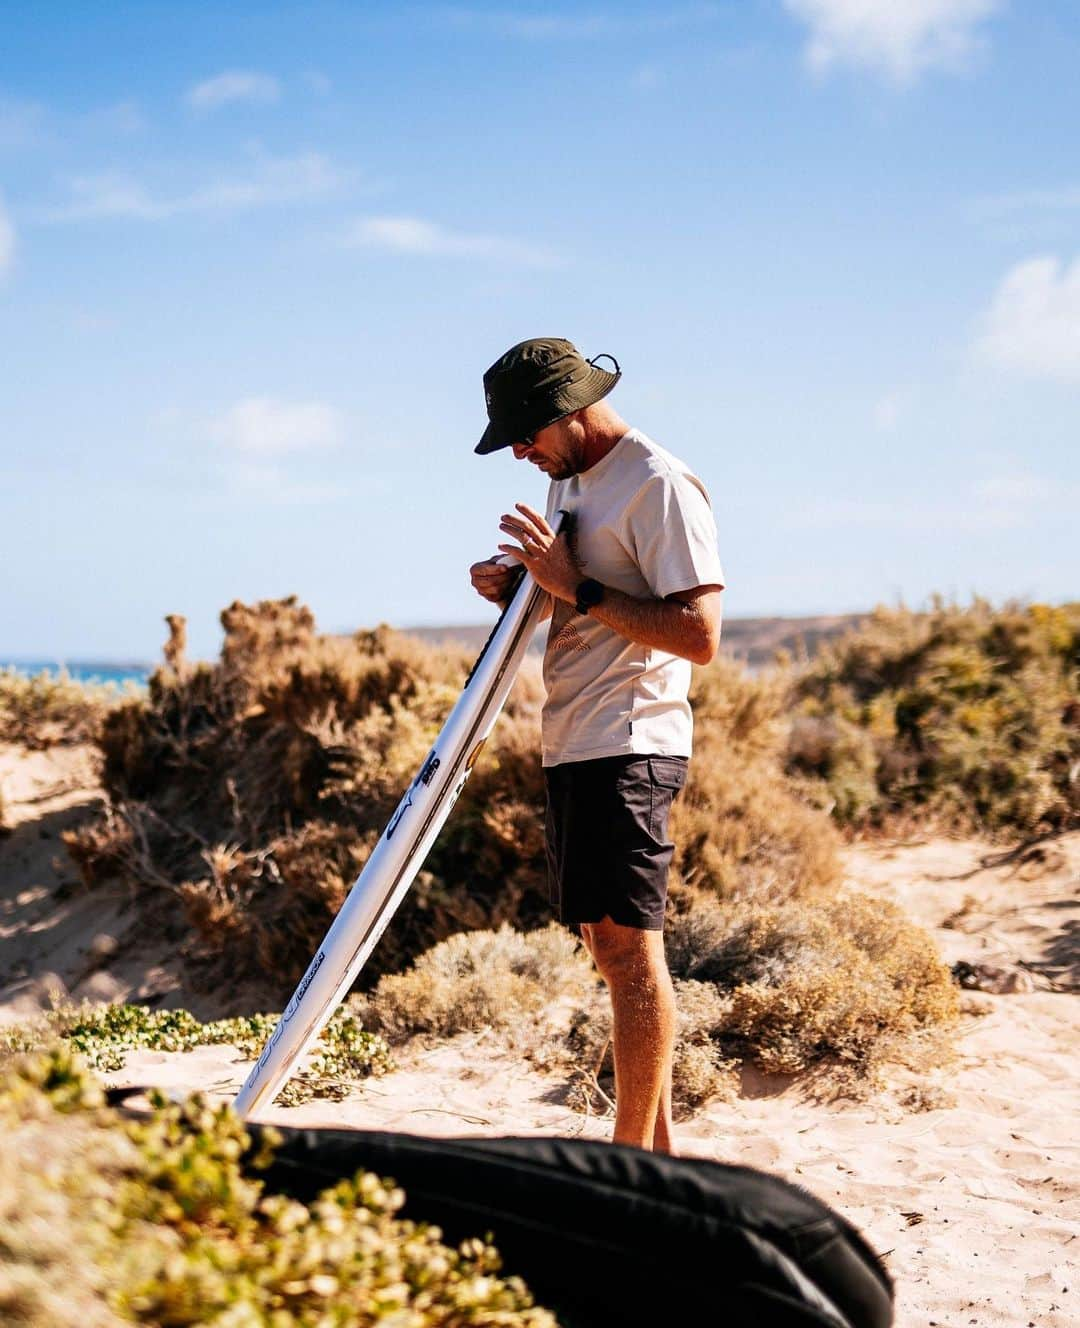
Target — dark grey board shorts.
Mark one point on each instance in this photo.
(607, 838)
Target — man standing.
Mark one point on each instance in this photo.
(635, 598)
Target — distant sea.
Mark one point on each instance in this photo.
(81, 670)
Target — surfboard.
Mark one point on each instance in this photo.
(401, 850)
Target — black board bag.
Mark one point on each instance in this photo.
(607, 1235)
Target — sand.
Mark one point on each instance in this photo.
(967, 1180)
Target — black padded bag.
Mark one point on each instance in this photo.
(607, 1235)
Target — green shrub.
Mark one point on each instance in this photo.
(968, 716)
(162, 1221)
(343, 1053)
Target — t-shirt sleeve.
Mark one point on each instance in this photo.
(671, 529)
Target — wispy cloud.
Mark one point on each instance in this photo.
(271, 180)
(426, 239)
(1032, 326)
(1063, 199)
(268, 482)
(33, 125)
(123, 118)
(7, 240)
(270, 427)
(901, 39)
(1009, 500)
(243, 85)
(1015, 488)
(539, 26)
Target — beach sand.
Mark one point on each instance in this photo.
(967, 1180)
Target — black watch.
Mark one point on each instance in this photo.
(588, 593)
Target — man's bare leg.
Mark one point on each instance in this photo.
(663, 1134)
(631, 962)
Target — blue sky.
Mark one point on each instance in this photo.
(254, 260)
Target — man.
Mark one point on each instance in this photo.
(635, 597)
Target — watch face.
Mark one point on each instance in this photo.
(589, 592)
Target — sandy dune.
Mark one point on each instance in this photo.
(968, 1179)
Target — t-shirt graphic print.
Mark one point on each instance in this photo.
(563, 633)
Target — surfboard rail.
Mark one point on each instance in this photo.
(400, 853)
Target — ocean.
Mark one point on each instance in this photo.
(81, 670)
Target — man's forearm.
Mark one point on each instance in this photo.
(667, 624)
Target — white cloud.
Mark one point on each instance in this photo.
(266, 426)
(414, 236)
(7, 240)
(900, 38)
(272, 180)
(233, 85)
(1033, 324)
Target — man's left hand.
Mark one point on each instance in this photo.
(547, 557)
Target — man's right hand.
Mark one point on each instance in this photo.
(492, 579)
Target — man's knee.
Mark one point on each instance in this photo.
(618, 950)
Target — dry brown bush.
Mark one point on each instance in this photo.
(253, 790)
(848, 979)
(49, 709)
(478, 980)
(741, 831)
(838, 987)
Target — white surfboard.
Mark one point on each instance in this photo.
(401, 851)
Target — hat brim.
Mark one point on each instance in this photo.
(587, 391)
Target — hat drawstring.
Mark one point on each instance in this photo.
(605, 356)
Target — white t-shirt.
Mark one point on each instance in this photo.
(644, 526)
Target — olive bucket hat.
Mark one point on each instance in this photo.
(536, 383)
